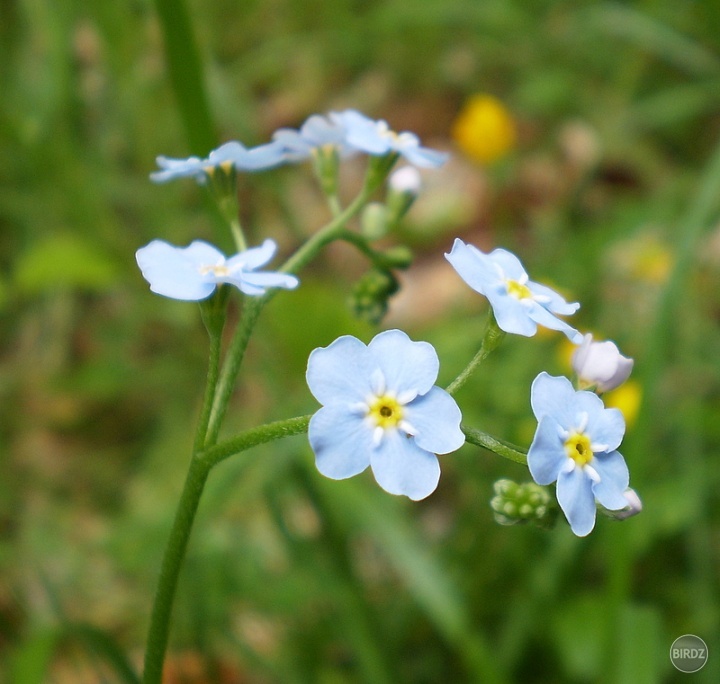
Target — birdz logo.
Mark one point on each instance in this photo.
(688, 653)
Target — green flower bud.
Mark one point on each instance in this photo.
(520, 503)
(369, 299)
(399, 256)
(374, 221)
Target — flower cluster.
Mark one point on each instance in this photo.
(380, 405)
(348, 132)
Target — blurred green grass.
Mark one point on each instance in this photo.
(291, 578)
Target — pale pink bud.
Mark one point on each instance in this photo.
(633, 508)
(600, 365)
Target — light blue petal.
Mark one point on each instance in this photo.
(256, 283)
(424, 157)
(362, 132)
(542, 316)
(201, 253)
(606, 426)
(556, 303)
(340, 372)
(401, 467)
(406, 365)
(368, 140)
(554, 396)
(474, 267)
(261, 157)
(511, 266)
(511, 314)
(177, 168)
(229, 151)
(175, 272)
(296, 148)
(341, 442)
(575, 496)
(319, 131)
(436, 417)
(614, 480)
(254, 257)
(546, 456)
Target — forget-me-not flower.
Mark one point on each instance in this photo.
(231, 155)
(381, 409)
(316, 133)
(576, 444)
(376, 138)
(192, 273)
(519, 304)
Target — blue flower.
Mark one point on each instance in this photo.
(380, 408)
(231, 155)
(316, 133)
(576, 444)
(192, 273)
(376, 138)
(519, 304)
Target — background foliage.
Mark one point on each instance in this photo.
(611, 192)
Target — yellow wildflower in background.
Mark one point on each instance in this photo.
(627, 398)
(484, 129)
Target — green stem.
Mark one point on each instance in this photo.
(493, 337)
(334, 204)
(200, 467)
(236, 352)
(170, 570)
(253, 437)
(501, 448)
(376, 258)
(238, 235)
(212, 379)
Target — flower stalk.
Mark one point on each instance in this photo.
(492, 339)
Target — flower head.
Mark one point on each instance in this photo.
(231, 155)
(600, 365)
(576, 444)
(381, 409)
(376, 138)
(484, 129)
(192, 273)
(519, 304)
(317, 133)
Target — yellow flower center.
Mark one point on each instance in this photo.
(518, 290)
(385, 411)
(219, 270)
(577, 447)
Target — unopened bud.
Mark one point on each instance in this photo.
(600, 365)
(406, 179)
(404, 186)
(633, 508)
(518, 503)
(369, 299)
(398, 256)
(374, 221)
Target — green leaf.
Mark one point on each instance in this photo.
(186, 75)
